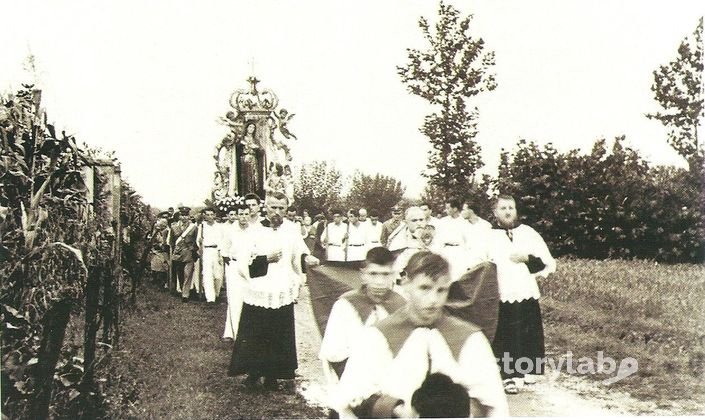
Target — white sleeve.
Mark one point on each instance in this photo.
(340, 330)
(480, 375)
(368, 357)
(541, 249)
(225, 240)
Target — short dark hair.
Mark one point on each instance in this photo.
(454, 204)
(440, 397)
(292, 208)
(379, 255)
(252, 196)
(374, 214)
(336, 211)
(353, 212)
(207, 209)
(428, 263)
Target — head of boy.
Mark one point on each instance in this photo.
(427, 283)
(378, 273)
(243, 215)
(440, 397)
(505, 210)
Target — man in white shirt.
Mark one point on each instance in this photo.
(356, 244)
(452, 239)
(428, 213)
(252, 201)
(374, 231)
(209, 240)
(393, 358)
(235, 237)
(362, 217)
(372, 302)
(334, 237)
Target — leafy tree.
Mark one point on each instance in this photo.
(317, 188)
(678, 88)
(451, 70)
(375, 192)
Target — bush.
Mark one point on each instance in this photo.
(607, 204)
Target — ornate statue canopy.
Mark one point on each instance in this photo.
(254, 155)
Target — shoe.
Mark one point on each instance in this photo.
(184, 299)
(251, 382)
(510, 387)
(271, 384)
(529, 380)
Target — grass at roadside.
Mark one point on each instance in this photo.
(172, 364)
(653, 313)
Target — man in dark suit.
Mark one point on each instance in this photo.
(182, 240)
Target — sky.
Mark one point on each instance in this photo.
(149, 80)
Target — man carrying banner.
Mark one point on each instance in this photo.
(364, 306)
(392, 359)
(356, 244)
(334, 237)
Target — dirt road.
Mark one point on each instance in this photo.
(554, 394)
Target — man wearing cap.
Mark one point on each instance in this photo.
(210, 239)
(334, 237)
(182, 239)
(390, 228)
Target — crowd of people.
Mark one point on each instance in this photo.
(389, 349)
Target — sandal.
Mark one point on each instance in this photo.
(510, 387)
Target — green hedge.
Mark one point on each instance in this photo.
(608, 203)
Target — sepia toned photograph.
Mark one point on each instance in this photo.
(324, 209)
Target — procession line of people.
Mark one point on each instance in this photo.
(389, 348)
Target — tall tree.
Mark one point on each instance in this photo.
(318, 187)
(375, 192)
(678, 88)
(454, 68)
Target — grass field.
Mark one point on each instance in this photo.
(653, 313)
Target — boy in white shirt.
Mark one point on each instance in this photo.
(354, 310)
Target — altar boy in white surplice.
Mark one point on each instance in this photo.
(393, 358)
(359, 308)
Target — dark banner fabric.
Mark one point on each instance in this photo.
(474, 297)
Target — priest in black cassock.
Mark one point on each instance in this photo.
(272, 262)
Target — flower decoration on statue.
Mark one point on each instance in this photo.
(227, 204)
